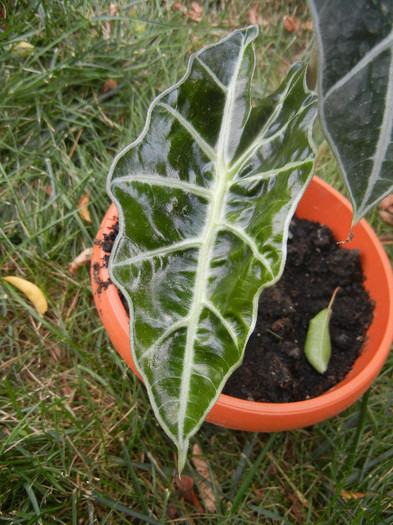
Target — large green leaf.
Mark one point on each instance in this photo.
(205, 197)
(355, 43)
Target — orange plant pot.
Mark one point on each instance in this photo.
(323, 204)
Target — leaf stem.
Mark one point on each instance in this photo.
(332, 298)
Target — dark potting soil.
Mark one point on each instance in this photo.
(275, 368)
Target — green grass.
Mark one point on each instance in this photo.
(78, 440)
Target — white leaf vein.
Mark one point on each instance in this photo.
(229, 328)
(251, 244)
(209, 235)
(156, 180)
(260, 140)
(162, 251)
(182, 323)
(205, 147)
(371, 55)
(265, 175)
(217, 81)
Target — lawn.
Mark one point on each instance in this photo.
(78, 441)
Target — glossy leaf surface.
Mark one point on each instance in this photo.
(205, 197)
(355, 43)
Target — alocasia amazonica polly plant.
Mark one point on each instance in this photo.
(205, 196)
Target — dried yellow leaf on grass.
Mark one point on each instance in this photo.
(352, 495)
(184, 486)
(22, 49)
(83, 207)
(31, 290)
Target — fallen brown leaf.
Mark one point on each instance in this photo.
(386, 209)
(184, 486)
(291, 24)
(83, 207)
(205, 487)
(81, 259)
(386, 216)
(113, 11)
(387, 203)
(195, 12)
(108, 86)
(172, 512)
(254, 17)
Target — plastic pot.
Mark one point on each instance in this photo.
(323, 204)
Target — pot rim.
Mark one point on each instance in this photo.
(365, 369)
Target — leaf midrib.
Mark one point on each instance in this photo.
(211, 229)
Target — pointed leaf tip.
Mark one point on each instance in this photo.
(181, 457)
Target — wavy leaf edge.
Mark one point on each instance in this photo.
(183, 443)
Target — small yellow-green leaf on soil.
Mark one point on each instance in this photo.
(31, 290)
(318, 347)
